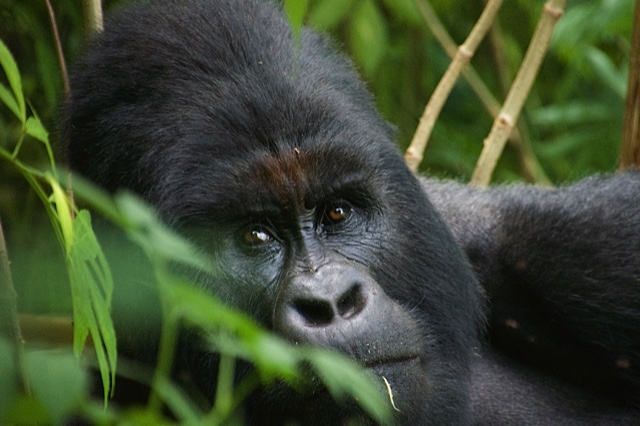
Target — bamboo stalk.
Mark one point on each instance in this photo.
(440, 33)
(414, 154)
(520, 136)
(630, 147)
(532, 168)
(503, 124)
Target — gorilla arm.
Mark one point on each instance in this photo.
(561, 270)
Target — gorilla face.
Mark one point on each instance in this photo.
(270, 155)
(313, 239)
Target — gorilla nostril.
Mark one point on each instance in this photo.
(316, 313)
(352, 302)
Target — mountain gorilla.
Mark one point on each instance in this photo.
(270, 154)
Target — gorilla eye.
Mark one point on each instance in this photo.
(257, 236)
(336, 213)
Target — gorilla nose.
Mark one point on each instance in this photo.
(333, 298)
(319, 311)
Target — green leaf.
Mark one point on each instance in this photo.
(7, 98)
(604, 67)
(343, 376)
(91, 289)
(328, 14)
(28, 411)
(295, 10)
(572, 113)
(406, 10)
(368, 36)
(8, 390)
(58, 382)
(13, 75)
(155, 237)
(36, 129)
(565, 144)
(63, 209)
(99, 199)
(241, 336)
(204, 310)
(273, 356)
(180, 405)
(139, 416)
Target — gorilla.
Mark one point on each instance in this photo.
(514, 305)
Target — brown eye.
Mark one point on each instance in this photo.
(257, 236)
(335, 214)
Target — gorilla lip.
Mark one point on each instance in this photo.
(391, 360)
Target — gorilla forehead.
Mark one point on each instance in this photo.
(278, 177)
(228, 66)
(230, 77)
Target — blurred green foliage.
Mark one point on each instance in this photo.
(573, 117)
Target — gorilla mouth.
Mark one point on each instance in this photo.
(392, 360)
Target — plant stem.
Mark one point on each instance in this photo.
(224, 390)
(168, 336)
(630, 148)
(93, 16)
(438, 30)
(9, 323)
(31, 175)
(532, 168)
(414, 154)
(503, 124)
(520, 136)
(56, 37)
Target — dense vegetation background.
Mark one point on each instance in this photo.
(572, 121)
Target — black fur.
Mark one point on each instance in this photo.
(561, 269)
(237, 135)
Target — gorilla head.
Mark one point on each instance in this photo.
(270, 155)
